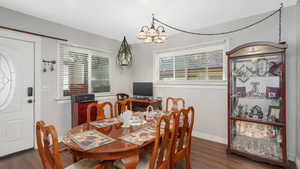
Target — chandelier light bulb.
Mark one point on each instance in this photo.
(142, 35)
(163, 35)
(152, 32)
(148, 39)
(157, 40)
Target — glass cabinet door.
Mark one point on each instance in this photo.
(259, 139)
(256, 88)
(256, 113)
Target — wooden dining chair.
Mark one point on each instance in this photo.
(49, 151)
(102, 107)
(160, 158)
(123, 104)
(180, 103)
(122, 96)
(181, 149)
(175, 105)
(92, 108)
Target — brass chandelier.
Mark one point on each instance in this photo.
(152, 34)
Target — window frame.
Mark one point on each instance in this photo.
(91, 52)
(197, 48)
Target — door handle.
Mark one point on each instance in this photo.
(29, 91)
(29, 101)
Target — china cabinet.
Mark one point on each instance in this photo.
(257, 102)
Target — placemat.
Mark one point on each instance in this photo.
(105, 122)
(91, 139)
(140, 136)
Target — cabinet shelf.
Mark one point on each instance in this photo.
(259, 121)
(257, 158)
(255, 76)
(254, 97)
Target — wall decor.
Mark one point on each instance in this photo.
(262, 67)
(272, 92)
(48, 65)
(241, 91)
(256, 112)
(254, 92)
(124, 57)
(274, 113)
(275, 68)
(243, 73)
(257, 121)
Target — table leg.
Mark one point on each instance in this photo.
(131, 161)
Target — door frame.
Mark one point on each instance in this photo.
(36, 41)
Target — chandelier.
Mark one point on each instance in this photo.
(152, 34)
(159, 35)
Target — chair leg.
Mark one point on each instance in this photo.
(187, 161)
(75, 157)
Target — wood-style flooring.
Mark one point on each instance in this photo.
(204, 155)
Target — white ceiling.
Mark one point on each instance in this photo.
(116, 18)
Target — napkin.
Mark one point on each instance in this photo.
(126, 116)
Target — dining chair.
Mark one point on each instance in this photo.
(175, 104)
(102, 107)
(49, 151)
(92, 108)
(123, 104)
(160, 157)
(181, 149)
(122, 96)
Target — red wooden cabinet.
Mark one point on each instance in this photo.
(257, 102)
(79, 108)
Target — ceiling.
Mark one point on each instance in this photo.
(116, 18)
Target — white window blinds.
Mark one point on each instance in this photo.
(194, 66)
(82, 71)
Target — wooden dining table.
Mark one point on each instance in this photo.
(119, 149)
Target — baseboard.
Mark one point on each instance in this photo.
(209, 137)
(298, 163)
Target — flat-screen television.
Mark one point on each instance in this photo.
(143, 89)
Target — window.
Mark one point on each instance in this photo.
(82, 71)
(196, 64)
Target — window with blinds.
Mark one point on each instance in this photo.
(206, 65)
(82, 71)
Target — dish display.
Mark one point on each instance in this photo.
(256, 101)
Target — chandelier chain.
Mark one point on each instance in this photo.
(227, 32)
(280, 22)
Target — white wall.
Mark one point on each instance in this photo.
(210, 102)
(52, 111)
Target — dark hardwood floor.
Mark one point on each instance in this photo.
(205, 155)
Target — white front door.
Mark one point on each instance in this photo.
(16, 97)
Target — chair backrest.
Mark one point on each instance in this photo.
(90, 109)
(165, 134)
(183, 128)
(175, 105)
(121, 105)
(180, 103)
(122, 96)
(102, 106)
(48, 147)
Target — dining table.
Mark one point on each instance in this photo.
(126, 152)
